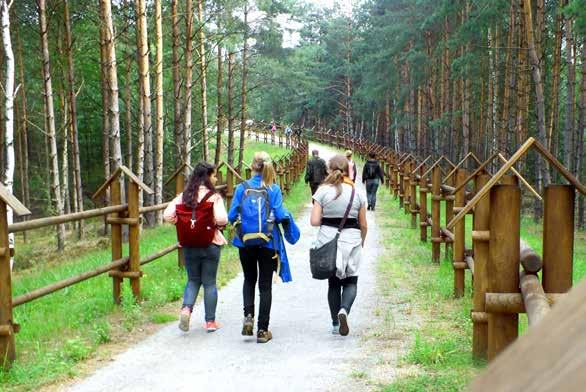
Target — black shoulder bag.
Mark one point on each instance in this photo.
(323, 260)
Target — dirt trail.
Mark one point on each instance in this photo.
(303, 356)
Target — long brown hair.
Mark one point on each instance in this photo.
(263, 164)
(338, 168)
(200, 176)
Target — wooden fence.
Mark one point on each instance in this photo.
(505, 269)
(119, 213)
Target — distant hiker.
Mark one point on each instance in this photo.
(337, 195)
(372, 176)
(199, 214)
(315, 172)
(288, 131)
(352, 170)
(257, 208)
(273, 127)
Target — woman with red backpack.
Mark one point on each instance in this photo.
(199, 214)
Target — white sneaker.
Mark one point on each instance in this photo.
(335, 329)
(343, 317)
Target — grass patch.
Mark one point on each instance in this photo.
(61, 330)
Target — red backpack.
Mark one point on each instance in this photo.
(196, 227)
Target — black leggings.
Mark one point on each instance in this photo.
(341, 294)
(250, 258)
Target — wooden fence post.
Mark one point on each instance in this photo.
(503, 262)
(459, 264)
(229, 186)
(481, 225)
(407, 186)
(423, 206)
(115, 199)
(449, 213)
(7, 348)
(435, 214)
(134, 238)
(395, 175)
(401, 186)
(558, 238)
(413, 195)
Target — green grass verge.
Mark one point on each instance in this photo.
(441, 345)
(68, 327)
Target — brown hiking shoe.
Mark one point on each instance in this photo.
(263, 336)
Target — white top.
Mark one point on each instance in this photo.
(350, 242)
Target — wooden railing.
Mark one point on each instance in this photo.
(119, 213)
(504, 268)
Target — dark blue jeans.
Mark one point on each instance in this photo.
(371, 188)
(201, 265)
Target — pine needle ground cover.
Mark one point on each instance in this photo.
(63, 331)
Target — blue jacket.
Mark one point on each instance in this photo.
(275, 201)
(291, 234)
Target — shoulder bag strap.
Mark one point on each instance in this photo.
(347, 211)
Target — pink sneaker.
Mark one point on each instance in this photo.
(212, 326)
(184, 318)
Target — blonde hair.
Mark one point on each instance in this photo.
(338, 167)
(263, 164)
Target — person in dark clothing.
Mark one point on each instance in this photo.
(316, 171)
(372, 176)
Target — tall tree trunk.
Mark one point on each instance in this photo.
(9, 111)
(230, 112)
(112, 84)
(65, 156)
(145, 89)
(570, 94)
(50, 110)
(188, 81)
(219, 108)
(555, 93)
(504, 120)
(177, 114)
(160, 136)
(203, 79)
(243, 94)
(24, 157)
(128, 113)
(542, 172)
(105, 103)
(73, 130)
(579, 170)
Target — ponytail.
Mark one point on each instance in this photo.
(263, 164)
(338, 166)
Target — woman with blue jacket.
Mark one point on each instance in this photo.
(257, 208)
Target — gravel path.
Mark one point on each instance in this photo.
(303, 355)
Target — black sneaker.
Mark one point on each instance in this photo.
(343, 318)
(248, 325)
(263, 336)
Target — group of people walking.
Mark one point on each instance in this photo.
(262, 224)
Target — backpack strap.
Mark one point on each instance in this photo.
(207, 196)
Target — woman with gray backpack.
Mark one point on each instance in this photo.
(340, 212)
(256, 210)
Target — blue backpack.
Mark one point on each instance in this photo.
(256, 219)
